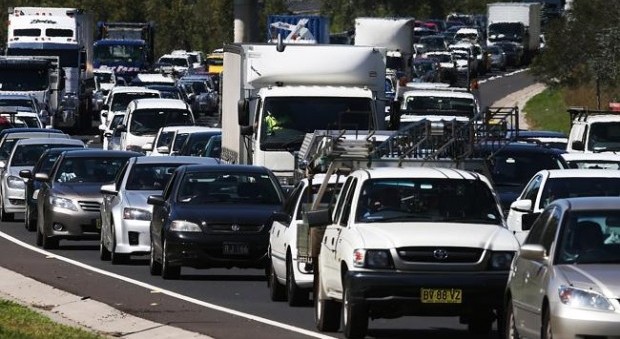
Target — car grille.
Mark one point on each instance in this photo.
(90, 206)
(440, 254)
(234, 228)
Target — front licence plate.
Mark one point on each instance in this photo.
(235, 248)
(441, 296)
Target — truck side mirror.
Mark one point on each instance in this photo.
(578, 145)
(243, 111)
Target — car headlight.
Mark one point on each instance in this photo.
(372, 258)
(15, 182)
(501, 260)
(576, 297)
(63, 203)
(136, 214)
(184, 226)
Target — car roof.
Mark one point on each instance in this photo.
(419, 172)
(575, 156)
(602, 118)
(445, 93)
(518, 147)
(131, 89)
(197, 129)
(582, 173)
(58, 150)
(588, 203)
(37, 134)
(227, 168)
(537, 134)
(46, 141)
(168, 159)
(173, 128)
(28, 129)
(160, 103)
(15, 96)
(99, 153)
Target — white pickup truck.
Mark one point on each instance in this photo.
(417, 241)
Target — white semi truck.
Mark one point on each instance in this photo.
(395, 34)
(517, 22)
(66, 33)
(274, 94)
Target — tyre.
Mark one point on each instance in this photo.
(354, 317)
(168, 271)
(39, 239)
(29, 222)
(547, 331)
(104, 254)
(510, 324)
(4, 216)
(154, 265)
(277, 292)
(115, 257)
(326, 311)
(296, 296)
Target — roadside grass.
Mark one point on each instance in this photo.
(20, 322)
(547, 111)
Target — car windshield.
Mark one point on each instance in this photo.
(414, 199)
(594, 164)
(215, 187)
(560, 188)
(590, 237)
(164, 139)
(6, 148)
(121, 100)
(329, 197)
(28, 155)
(182, 62)
(604, 136)
(23, 104)
(89, 170)
(116, 120)
(433, 43)
(196, 143)
(425, 105)
(149, 121)
(149, 177)
(178, 141)
(31, 122)
(517, 169)
(213, 149)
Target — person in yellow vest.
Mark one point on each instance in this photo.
(274, 123)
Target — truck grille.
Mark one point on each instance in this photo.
(440, 254)
(234, 228)
(90, 206)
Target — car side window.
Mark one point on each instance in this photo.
(169, 185)
(120, 176)
(291, 201)
(550, 229)
(346, 208)
(536, 233)
(533, 189)
(341, 199)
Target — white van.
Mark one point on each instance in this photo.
(144, 118)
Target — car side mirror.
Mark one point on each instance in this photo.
(318, 218)
(2, 164)
(105, 107)
(160, 149)
(107, 134)
(281, 217)
(578, 145)
(104, 113)
(42, 177)
(26, 174)
(523, 205)
(532, 252)
(527, 220)
(109, 189)
(156, 200)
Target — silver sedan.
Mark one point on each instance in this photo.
(125, 215)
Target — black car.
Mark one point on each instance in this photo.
(43, 165)
(195, 143)
(513, 165)
(213, 216)
(514, 53)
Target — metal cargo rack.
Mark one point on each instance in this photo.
(582, 113)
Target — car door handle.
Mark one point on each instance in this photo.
(332, 241)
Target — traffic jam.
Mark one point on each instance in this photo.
(365, 186)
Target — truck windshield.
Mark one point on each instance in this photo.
(118, 53)
(510, 31)
(68, 57)
(149, 121)
(604, 136)
(286, 120)
(24, 79)
(434, 105)
(427, 200)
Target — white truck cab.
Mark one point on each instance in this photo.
(594, 131)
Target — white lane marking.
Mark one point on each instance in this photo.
(503, 75)
(167, 292)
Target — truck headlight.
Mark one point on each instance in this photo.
(15, 182)
(372, 258)
(136, 214)
(184, 226)
(576, 297)
(63, 203)
(501, 261)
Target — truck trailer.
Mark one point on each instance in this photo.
(65, 33)
(273, 95)
(517, 22)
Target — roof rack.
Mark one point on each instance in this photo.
(581, 113)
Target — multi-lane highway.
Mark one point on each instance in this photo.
(221, 303)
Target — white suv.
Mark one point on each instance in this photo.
(593, 133)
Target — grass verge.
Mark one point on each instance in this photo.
(20, 322)
(547, 111)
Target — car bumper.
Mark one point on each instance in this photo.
(569, 322)
(14, 200)
(79, 225)
(303, 279)
(390, 294)
(200, 250)
(135, 237)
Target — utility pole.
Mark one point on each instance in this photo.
(246, 19)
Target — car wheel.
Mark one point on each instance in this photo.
(154, 265)
(117, 258)
(104, 253)
(354, 317)
(480, 326)
(547, 331)
(296, 296)
(326, 311)
(28, 222)
(167, 271)
(39, 239)
(511, 325)
(277, 292)
(4, 216)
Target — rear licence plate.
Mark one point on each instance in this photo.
(235, 248)
(441, 296)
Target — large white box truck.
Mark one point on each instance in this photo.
(517, 22)
(272, 95)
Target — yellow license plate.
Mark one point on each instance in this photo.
(441, 296)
